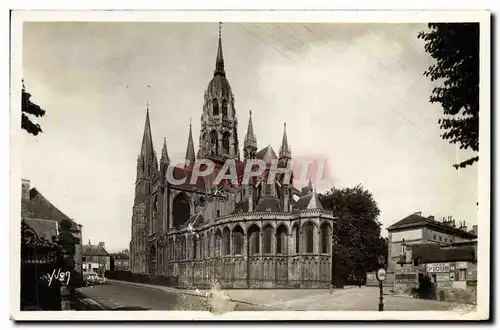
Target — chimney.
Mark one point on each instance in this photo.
(418, 213)
(101, 244)
(463, 226)
(25, 189)
(474, 229)
(431, 217)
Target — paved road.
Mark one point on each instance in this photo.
(348, 299)
(116, 296)
(119, 296)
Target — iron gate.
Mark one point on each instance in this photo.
(40, 259)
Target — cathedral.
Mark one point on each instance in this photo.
(260, 234)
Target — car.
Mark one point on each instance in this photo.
(92, 278)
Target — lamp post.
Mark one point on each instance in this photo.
(381, 276)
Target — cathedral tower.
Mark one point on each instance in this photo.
(218, 134)
(147, 167)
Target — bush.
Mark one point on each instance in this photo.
(426, 289)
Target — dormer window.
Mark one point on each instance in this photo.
(215, 107)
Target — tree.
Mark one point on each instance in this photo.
(455, 47)
(357, 232)
(30, 108)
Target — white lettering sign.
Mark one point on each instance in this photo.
(438, 268)
(61, 276)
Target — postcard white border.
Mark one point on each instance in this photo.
(484, 216)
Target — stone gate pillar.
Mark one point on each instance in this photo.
(67, 243)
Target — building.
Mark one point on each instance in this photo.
(96, 258)
(44, 218)
(245, 235)
(421, 246)
(416, 229)
(119, 261)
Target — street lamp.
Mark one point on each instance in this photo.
(381, 276)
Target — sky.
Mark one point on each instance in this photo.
(353, 94)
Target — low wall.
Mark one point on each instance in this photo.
(371, 280)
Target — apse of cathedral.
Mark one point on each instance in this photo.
(262, 234)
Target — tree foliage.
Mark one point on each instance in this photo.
(455, 47)
(30, 108)
(357, 231)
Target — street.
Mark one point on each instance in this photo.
(117, 296)
(121, 296)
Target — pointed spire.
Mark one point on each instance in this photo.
(250, 139)
(219, 62)
(147, 140)
(190, 156)
(285, 151)
(164, 153)
(309, 185)
(314, 202)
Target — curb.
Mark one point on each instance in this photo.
(92, 304)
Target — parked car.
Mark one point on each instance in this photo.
(92, 278)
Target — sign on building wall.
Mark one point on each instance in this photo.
(406, 278)
(443, 277)
(407, 235)
(438, 267)
(461, 265)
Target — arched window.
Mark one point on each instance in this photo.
(325, 238)
(181, 209)
(238, 241)
(202, 247)
(207, 245)
(214, 143)
(218, 213)
(268, 238)
(154, 224)
(195, 247)
(254, 240)
(281, 240)
(215, 107)
(226, 238)
(218, 251)
(225, 142)
(297, 239)
(309, 236)
(224, 108)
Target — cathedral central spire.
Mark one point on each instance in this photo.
(219, 62)
(147, 139)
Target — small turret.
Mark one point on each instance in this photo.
(250, 144)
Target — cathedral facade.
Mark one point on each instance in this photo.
(263, 233)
